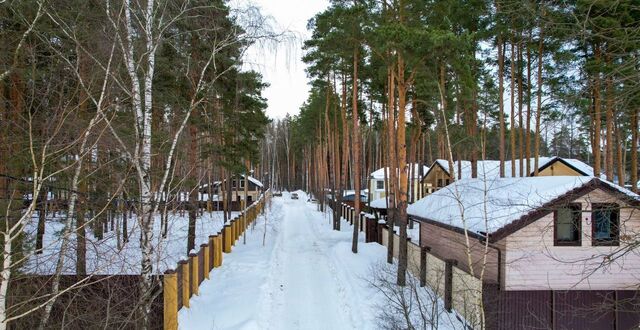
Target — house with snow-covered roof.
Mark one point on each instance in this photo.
(544, 246)
(439, 174)
(378, 186)
(219, 189)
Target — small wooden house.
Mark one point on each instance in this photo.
(439, 175)
(255, 188)
(548, 253)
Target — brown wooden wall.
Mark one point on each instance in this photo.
(447, 244)
(580, 309)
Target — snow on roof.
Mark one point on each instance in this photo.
(363, 192)
(252, 179)
(498, 200)
(255, 181)
(379, 173)
(580, 166)
(491, 168)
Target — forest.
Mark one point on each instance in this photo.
(401, 82)
(120, 113)
(110, 108)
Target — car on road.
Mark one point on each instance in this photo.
(294, 196)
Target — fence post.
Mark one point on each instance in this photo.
(220, 243)
(352, 213)
(205, 261)
(235, 230)
(448, 284)
(212, 252)
(193, 260)
(186, 291)
(227, 238)
(170, 292)
(237, 223)
(423, 265)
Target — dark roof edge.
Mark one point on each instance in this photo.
(448, 227)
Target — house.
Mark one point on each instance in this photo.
(439, 174)
(254, 190)
(560, 252)
(377, 184)
(349, 198)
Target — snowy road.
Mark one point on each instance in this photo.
(306, 287)
(304, 277)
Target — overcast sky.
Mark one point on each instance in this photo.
(282, 68)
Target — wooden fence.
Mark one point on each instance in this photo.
(183, 282)
(459, 290)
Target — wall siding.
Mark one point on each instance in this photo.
(532, 262)
(431, 180)
(448, 244)
(558, 169)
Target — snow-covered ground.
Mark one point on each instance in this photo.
(105, 257)
(304, 276)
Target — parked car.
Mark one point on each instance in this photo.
(313, 200)
(294, 196)
(277, 194)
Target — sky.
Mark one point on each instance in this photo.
(282, 66)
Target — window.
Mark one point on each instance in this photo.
(233, 183)
(605, 222)
(568, 222)
(241, 183)
(440, 183)
(447, 182)
(379, 184)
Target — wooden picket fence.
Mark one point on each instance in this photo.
(183, 282)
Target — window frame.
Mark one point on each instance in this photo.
(574, 207)
(378, 186)
(615, 230)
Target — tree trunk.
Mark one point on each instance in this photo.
(193, 193)
(634, 150)
(520, 119)
(609, 124)
(512, 129)
(527, 135)
(356, 152)
(402, 164)
(597, 115)
(501, 147)
(391, 170)
(536, 144)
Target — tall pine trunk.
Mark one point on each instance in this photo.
(597, 115)
(356, 152)
(634, 150)
(536, 144)
(403, 85)
(609, 124)
(501, 147)
(391, 171)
